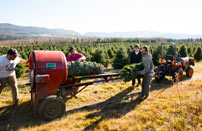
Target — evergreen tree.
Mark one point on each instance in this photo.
(198, 54)
(110, 53)
(20, 70)
(171, 50)
(183, 51)
(155, 55)
(189, 51)
(23, 55)
(121, 59)
(100, 56)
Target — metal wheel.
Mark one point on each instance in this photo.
(189, 72)
(51, 108)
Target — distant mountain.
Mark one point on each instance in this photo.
(29, 31)
(140, 34)
(10, 31)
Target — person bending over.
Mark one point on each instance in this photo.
(75, 56)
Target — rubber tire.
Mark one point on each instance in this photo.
(179, 74)
(51, 107)
(189, 72)
(159, 79)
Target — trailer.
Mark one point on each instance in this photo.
(50, 84)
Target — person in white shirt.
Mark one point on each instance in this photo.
(8, 63)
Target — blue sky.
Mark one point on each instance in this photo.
(169, 16)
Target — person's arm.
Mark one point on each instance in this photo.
(23, 60)
(20, 60)
(83, 58)
(146, 67)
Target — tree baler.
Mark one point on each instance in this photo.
(50, 84)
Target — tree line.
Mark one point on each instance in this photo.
(114, 54)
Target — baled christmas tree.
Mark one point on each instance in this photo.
(129, 72)
(84, 68)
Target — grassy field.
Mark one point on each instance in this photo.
(113, 106)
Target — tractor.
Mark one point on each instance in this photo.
(172, 65)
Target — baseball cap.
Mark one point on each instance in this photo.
(71, 48)
(13, 52)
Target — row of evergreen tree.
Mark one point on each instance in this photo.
(116, 54)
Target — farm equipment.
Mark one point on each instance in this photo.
(50, 84)
(173, 66)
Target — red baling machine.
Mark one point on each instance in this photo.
(50, 84)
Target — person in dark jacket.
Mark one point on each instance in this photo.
(136, 57)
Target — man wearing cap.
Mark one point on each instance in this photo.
(136, 57)
(75, 56)
(8, 63)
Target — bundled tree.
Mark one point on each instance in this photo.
(183, 51)
(100, 56)
(198, 54)
(129, 72)
(84, 68)
(121, 59)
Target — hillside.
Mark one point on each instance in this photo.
(10, 31)
(113, 106)
(142, 34)
(14, 31)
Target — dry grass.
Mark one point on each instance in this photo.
(113, 106)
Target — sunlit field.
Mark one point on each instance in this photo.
(113, 106)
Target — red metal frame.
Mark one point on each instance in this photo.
(38, 62)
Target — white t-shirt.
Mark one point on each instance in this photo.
(7, 68)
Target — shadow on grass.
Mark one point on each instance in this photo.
(165, 83)
(13, 118)
(115, 107)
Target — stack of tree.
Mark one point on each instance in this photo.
(84, 68)
(129, 72)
